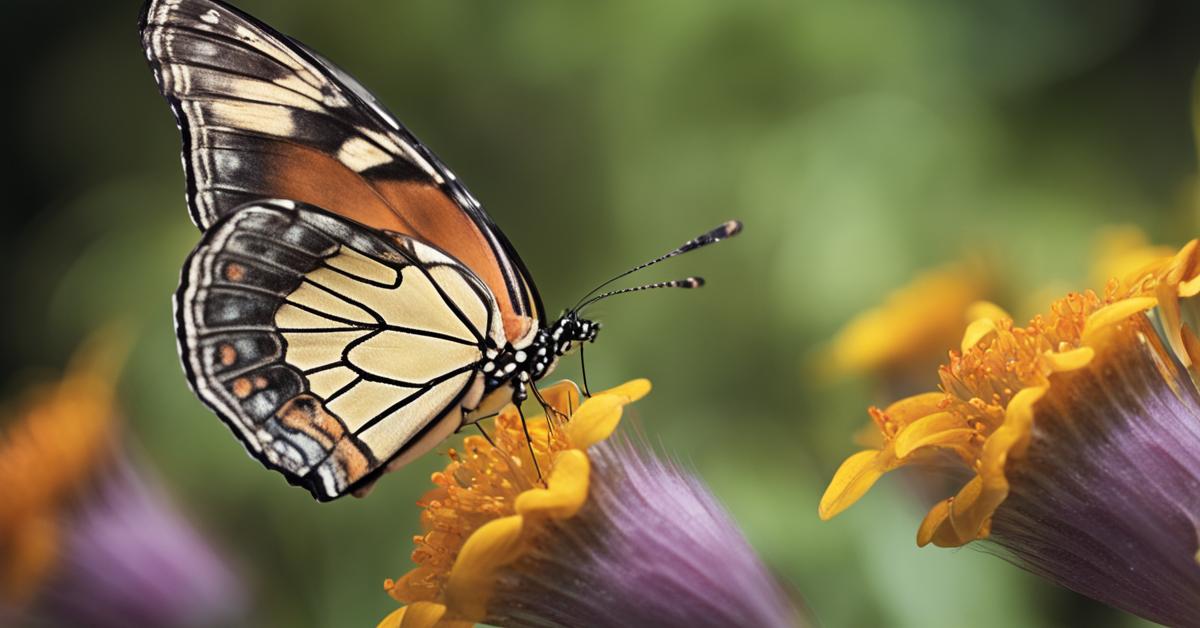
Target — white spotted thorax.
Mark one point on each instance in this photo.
(521, 367)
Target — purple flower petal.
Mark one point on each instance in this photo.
(129, 559)
(1107, 498)
(651, 547)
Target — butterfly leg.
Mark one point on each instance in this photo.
(528, 438)
(587, 392)
(548, 409)
(476, 421)
(486, 436)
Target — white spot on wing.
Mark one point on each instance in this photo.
(269, 119)
(211, 17)
(359, 155)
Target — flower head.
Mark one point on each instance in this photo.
(64, 431)
(1080, 432)
(85, 537)
(613, 537)
(1122, 250)
(918, 322)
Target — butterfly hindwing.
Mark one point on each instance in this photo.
(329, 348)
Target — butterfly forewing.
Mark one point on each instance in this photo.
(329, 348)
(263, 117)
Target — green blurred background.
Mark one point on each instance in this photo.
(859, 141)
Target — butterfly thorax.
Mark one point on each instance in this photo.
(521, 366)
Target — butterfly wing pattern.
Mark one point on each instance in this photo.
(331, 350)
(263, 117)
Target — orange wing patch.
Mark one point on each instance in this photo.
(307, 415)
(414, 208)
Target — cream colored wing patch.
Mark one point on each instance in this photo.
(406, 420)
(384, 347)
(329, 348)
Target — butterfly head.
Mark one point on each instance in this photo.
(519, 367)
(557, 340)
(571, 328)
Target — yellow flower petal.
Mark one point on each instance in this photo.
(562, 396)
(969, 511)
(1172, 320)
(1182, 267)
(393, 619)
(1115, 313)
(976, 331)
(595, 420)
(912, 408)
(1071, 360)
(493, 545)
(1191, 344)
(421, 615)
(566, 488)
(1189, 288)
(631, 390)
(933, 522)
(1124, 252)
(853, 479)
(935, 429)
(986, 309)
(922, 320)
(940, 526)
(1018, 418)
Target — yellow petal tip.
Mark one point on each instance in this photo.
(566, 488)
(1071, 360)
(976, 331)
(1115, 313)
(851, 481)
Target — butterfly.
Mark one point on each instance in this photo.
(350, 304)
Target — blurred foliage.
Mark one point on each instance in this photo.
(859, 141)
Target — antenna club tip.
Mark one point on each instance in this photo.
(691, 282)
(731, 228)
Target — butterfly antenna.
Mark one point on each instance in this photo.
(726, 230)
(686, 282)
